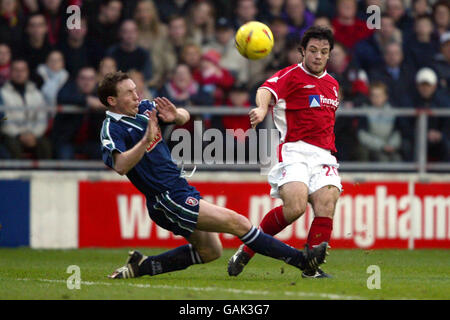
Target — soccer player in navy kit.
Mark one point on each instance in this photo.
(132, 145)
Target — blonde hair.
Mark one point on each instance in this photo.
(379, 85)
(155, 23)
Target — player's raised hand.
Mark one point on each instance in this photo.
(167, 111)
(152, 127)
(256, 115)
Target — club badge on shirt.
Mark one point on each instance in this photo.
(191, 201)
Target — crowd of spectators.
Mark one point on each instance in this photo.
(184, 50)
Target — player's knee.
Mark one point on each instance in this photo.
(210, 253)
(212, 250)
(294, 210)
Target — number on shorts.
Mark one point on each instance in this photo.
(331, 171)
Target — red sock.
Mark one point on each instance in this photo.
(272, 223)
(320, 231)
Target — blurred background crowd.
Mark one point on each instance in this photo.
(184, 50)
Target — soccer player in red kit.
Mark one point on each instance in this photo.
(304, 98)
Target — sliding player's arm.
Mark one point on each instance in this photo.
(168, 113)
(125, 161)
(263, 98)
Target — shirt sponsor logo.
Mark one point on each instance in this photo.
(320, 100)
(154, 142)
(327, 102)
(314, 101)
(158, 137)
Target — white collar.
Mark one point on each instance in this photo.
(311, 74)
(117, 116)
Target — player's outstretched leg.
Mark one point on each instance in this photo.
(131, 267)
(264, 244)
(138, 265)
(272, 223)
(218, 219)
(294, 195)
(241, 258)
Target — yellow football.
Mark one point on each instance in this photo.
(254, 40)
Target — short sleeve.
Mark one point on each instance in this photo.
(278, 84)
(111, 140)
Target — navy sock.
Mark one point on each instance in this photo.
(267, 245)
(176, 259)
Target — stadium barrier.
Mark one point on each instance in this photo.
(82, 209)
(419, 165)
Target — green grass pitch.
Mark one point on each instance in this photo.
(42, 274)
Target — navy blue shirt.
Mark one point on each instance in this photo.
(156, 172)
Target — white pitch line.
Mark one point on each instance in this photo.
(299, 294)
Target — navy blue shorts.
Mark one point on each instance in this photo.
(176, 210)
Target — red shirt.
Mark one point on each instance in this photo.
(305, 106)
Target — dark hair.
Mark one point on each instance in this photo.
(33, 15)
(6, 44)
(175, 17)
(107, 2)
(385, 15)
(424, 16)
(17, 60)
(108, 86)
(441, 3)
(317, 32)
(340, 44)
